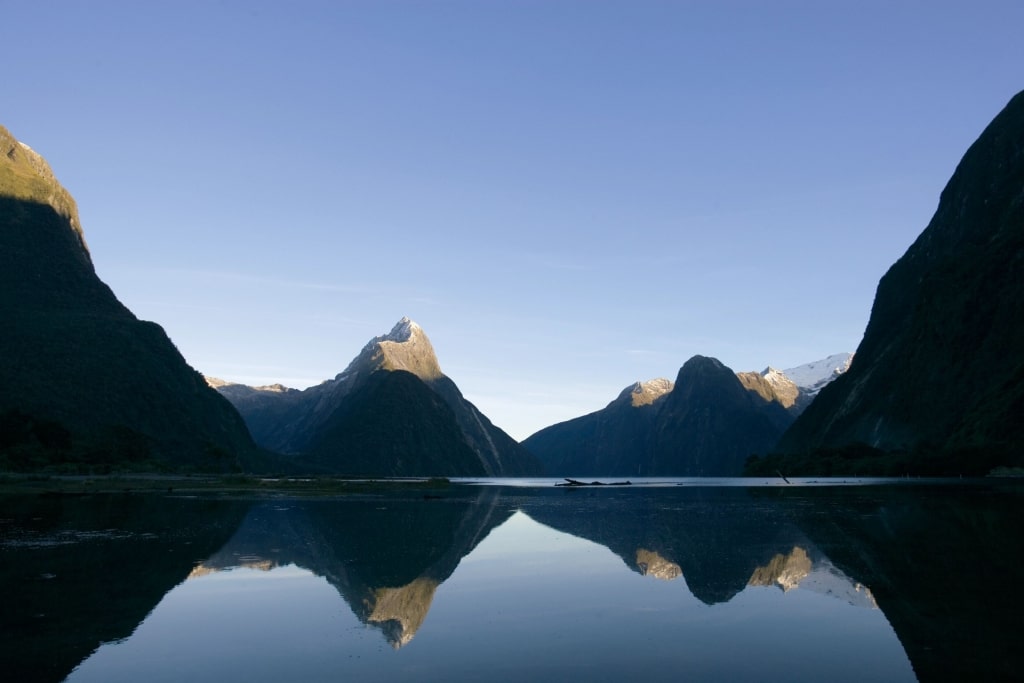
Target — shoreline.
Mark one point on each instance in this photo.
(16, 483)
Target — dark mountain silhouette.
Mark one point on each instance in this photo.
(937, 384)
(709, 425)
(705, 424)
(85, 383)
(609, 442)
(392, 412)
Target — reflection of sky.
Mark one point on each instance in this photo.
(524, 540)
(528, 603)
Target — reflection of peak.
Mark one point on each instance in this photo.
(201, 570)
(205, 569)
(400, 611)
(827, 579)
(786, 571)
(796, 570)
(385, 560)
(650, 563)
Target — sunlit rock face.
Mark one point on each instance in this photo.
(650, 563)
(28, 177)
(938, 380)
(391, 412)
(770, 385)
(407, 348)
(795, 388)
(646, 393)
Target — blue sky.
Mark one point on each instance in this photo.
(567, 196)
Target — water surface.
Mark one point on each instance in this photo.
(514, 582)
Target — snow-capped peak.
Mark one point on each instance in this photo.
(403, 331)
(811, 377)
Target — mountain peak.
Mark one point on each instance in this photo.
(646, 393)
(699, 366)
(403, 331)
(405, 347)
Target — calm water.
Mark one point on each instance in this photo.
(519, 581)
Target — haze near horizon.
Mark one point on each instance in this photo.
(567, 196)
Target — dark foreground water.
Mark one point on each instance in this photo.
(884, 582)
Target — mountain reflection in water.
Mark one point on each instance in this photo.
(941, 563)
(385, 556)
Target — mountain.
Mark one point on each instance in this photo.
(392, 412)
(706, 423)
(795, 388)
(85, 383)
(710, 424)
(611, 441)
(937, 385)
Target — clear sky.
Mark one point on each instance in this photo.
(566, 196)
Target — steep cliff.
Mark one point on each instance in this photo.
(85, 383)
(937, 383)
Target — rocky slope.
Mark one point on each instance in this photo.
(706, 423)
(392, 412)
(938, 381)
(85, 383)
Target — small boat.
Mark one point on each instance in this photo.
(573, 482)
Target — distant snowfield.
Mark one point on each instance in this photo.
(811, 377)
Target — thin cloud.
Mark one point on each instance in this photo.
(262, 280)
